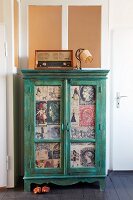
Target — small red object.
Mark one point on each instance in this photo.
(45, 189)
(37, 190)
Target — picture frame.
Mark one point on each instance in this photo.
(53, 59)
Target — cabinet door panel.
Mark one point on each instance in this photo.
(47, 140)
(84, 148)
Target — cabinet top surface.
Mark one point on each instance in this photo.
(83, 72)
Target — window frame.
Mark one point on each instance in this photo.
(24, 30)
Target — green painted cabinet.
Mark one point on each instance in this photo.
(64, 126)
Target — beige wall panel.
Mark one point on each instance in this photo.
(85, 32)
(16, 33)
(44, 29)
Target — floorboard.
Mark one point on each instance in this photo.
(119, 186)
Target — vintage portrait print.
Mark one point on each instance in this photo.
(47, 100)
(41, 115)
(47, 155)
(87, 95)
(82, 155)
(53, 112)
(53, 131)
(83, 105)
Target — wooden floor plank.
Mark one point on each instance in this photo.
(110, 193)
(119, 187)
(128, 184)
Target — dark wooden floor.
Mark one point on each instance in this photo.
(119, 186)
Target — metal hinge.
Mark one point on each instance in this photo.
(30, 164)
(70, 81)
(29, 89)
(100, 89)
(29, 127)
(100, 127)
(99, 163)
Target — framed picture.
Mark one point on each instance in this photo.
(53, 59)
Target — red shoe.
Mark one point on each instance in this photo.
(37, 190)
(45, 189)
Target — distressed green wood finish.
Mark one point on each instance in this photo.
(64, 175)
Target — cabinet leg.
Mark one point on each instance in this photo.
(27, 186)
(102, 184)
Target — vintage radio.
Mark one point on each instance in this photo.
(53, 59)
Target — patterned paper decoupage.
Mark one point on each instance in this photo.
(47, 132)
(47, 125)
(75, 116)
(82, 112)
(82, 132)
(53, 131)
(41, 93)
(47, 155)
(87, 95)
(47, 112)
(40, 132)
(82, 155)
(53, 112)
(75, 105)
(41, 116)
(75, 94)
(54, 92)
(87, 115)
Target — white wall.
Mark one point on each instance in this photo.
(3, 172)
(6, 16)
(8, 6)
(121, 13)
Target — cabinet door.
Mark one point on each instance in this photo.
(84, 135)
(46, 137)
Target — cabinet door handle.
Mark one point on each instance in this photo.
(67, 128)
(62, 127)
